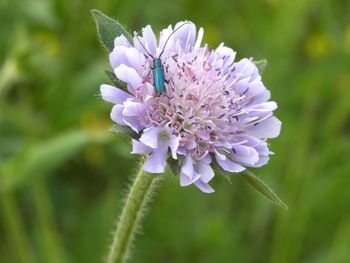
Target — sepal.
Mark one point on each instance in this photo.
(108, 29)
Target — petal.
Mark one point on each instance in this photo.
(245, 154)
(246, 68)
(262, 161)
(204, 187)
(116, 114)
(262, 148)
(187, 173)
(199, 38)
(219, 155)
(135, 58)
(227, 54)
(269, 128)
(133, 123)
(132, 108)
(230, 166)
(187, 167)
(156, 162)
(140, 148)
(149, 40)
(263, 107)
(128, 75)
(206, 159)
(174, 144)
(121, 41)
(113, 94)
(191, 144)
(185, 180)
(150, 137)
(164, 36)
(205, 171)
(117, 56)
(186, 35)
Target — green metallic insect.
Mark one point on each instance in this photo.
(158, 69)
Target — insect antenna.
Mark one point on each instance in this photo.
(143, 46)
(166, 42)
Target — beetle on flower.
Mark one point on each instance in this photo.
(214, 109)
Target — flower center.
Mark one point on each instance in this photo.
(163, 136)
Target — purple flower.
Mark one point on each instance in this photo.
(214, 108)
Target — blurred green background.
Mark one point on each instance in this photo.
(63, 176)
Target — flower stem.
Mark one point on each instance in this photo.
(137, 199)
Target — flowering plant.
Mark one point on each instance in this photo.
(213, 110)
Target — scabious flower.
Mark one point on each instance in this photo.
(214, 109)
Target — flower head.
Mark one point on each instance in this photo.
(214, 109)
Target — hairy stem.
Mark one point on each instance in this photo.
(137, 199)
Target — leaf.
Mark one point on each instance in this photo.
(124, 131)
(261, 64)
(117, 82)
(44, 157)
(262, 188)
(108, 29)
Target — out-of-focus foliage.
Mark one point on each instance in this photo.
(62, 175)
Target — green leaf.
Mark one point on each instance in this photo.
(124, 131)
(108, 29)
(262, 188)
(117, 82)
(261, 64)
(45, 157)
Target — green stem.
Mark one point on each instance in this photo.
(49, 240)
(137, 199)
(14, 225)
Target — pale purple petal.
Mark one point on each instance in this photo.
(269, 128)
(135, 58)
(164, 36)
(204, 187)
(219, 155)
(229, 166)
(247, 68)
(185, 180)
(227, 54)
(174, 145)
(262, 161)
(113, 94)
(140, 148)
(244, 154)
(264, 107)
(187, 173)
(149, 39)
(134, 108)
(199, 38)
(156, 162)
(128, 75)
(117, 56)
(150, 137)
(121, 41)
(133, 123)
(206, 159)
(186, 35)
(205, 171)
(116, 114)
(187, 167)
